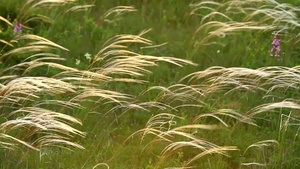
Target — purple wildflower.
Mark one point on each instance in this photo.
(18, 27)
(276, 46)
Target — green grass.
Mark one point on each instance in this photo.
(191, 98)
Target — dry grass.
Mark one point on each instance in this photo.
(266, 79)
(270, 107)
(5, 20)
(194, 92)
(112, 14)
(226, 112)
(232, 16)
(52, 127)
(77, 8)
(264, 146)
(39, 45)
(116, 59)
(26, 100)
(101, 164)
(162, 127)
(7, 43)
(28, 11)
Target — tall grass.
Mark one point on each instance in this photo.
(219, 117)
(20, 93)
(247, 26)
(203, 88)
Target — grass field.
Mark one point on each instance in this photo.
(142, 84)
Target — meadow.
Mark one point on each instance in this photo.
(149, 84)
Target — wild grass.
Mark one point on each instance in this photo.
(224, 22)
(266, 16)
(112, 109)
(37, 126)
(204, 86)
(81, 83)
(161, 126)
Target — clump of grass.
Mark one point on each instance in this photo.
(240, 33)
(29, 11)
(261, 145)
(39, 44)
(234, 16)
(202, 88)
(266, 79)
(162, 127)
(115, 12)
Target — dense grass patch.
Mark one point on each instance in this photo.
(149, 84)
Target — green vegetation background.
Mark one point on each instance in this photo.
(171, 23)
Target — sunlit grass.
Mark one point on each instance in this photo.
(112, 99)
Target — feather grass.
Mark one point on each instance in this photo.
(236, 16)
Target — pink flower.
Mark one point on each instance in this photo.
(276, 46)
(18, 27)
